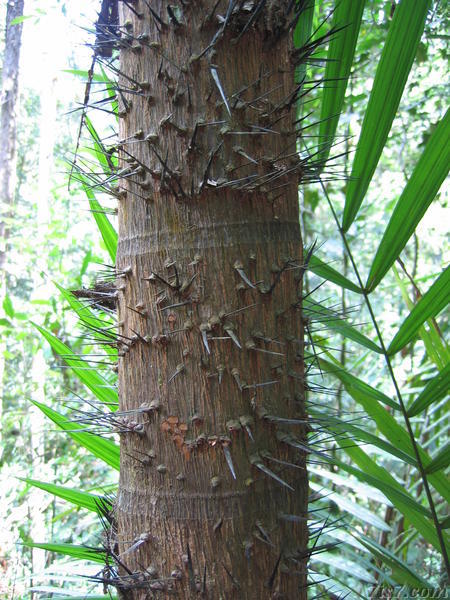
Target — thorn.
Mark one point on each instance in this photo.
(191, 570)
(240, 269)
(256, 462)
(228, 327)
(215, 76)
(246, 421)
(179, 369)
(237, 379)
(204, 328)
(220, 370)
(271, 579)
(226, 451)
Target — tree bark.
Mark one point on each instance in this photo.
(213, 486)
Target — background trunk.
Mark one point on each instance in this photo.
(9, 99)
(210, 265)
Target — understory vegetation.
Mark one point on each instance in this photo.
(375, 130)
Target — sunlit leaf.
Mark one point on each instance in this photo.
(322, 314)
(79, 552)
(95, 382)
(103, 449)
(390, 79)
(439, 462)
(347, 15)
(81, 499)
(107, 231)
(435, 389)
(321, 269)
(431, 304)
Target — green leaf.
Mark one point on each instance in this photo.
(353, 383)
(321, 313)
(390, 79)
(8, 307)
(373, 474)
(402, 573)
(85, 75)
(419, 192)
(346, 14)
(99, 149)
(107, 231)
(431, 304)
(91, 379)
(342, 563)
(103, 449)
(79, 552)
(396, 435)
(439, 462)
(87, 316)
(82, 499)
(435, 389)
(321, 269)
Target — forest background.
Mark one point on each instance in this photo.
(54, 241)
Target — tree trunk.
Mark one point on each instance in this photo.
(213, 487)
(8, 98)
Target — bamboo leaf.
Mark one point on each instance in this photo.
(107, 231)
(353, 383)
(86, 316)
(103, 449)
(439, 462)
(95, 382)
(79, 552)
(342, 563)
(390, 79)
(431, 304)
(419, 192)
(352, 508)
(371, 473)
(347, 16)
(99, 149)
(81, 499)
(321, 313)
(321, 269)
(396, 435)
(402, 573)
(436, 389)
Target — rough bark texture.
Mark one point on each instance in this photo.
(211, 262)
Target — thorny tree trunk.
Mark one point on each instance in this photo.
(211, 262)
(8, 101)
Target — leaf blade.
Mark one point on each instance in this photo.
(431, 304)
(390, 79)
(422, 187)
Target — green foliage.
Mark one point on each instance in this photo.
(383, 455)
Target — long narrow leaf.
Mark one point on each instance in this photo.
(390, 79)
(107, 231)
(373, 474)
(402, 573)
(79, 552)
(91, 379)
(431, 304)
(419, 192)
(347, 15)
(81, 499)
(439, 462)
(351, 382)
(396, 435)
(103, 449)
(321, 313)
(436, 389)
(321, 269)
